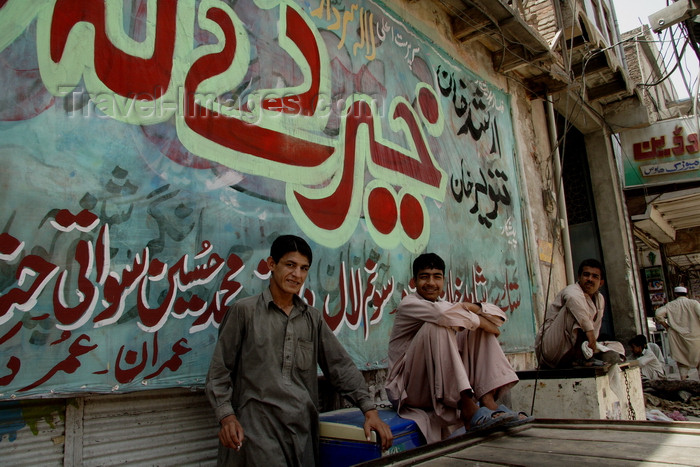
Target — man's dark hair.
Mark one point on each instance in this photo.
(290, 243)
(639, 340)
(427, 261)
(592, 263)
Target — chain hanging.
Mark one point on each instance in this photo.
(630, 410)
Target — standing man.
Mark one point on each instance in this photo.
(443, 357)
(574, 318)
(681, 318)
(262, 381)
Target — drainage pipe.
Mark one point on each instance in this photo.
(559, 193)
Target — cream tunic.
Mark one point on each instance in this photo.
(571, 309)
(683, 317)
(436, 351)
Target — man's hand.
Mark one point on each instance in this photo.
(231, 432)
(488, 326)
(373, 422)
(592, 341)
(473, 307)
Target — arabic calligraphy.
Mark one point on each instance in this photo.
(464, 188)
(369, 31)
(144, 274)
(473, 101)
(174, 137)
(670, 167)
(397, 38)
(360, 300)
(656, 146)
(253, 137)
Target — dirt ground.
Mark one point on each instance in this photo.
(675, 399)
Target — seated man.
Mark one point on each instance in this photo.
(569, 334)
(444, 357)
(649, 365)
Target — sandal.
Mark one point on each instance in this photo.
(485, 418)
(516, 417)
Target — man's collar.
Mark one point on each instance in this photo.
(584, 292)
(297, 302)
(440, 299)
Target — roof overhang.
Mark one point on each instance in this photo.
(669, 215)
(596, 86)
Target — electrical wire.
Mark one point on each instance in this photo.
(504, 41)
(678, 60)
(669, 73)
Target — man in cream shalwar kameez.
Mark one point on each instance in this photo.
(681, 317)
(441, 354)
(574, 317)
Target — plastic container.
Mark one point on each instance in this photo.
(343, 442)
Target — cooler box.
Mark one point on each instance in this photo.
(342, 437)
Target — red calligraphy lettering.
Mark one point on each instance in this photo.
(336, 320)
(694, 145)
(13, 364)
(11, 333)
(84, 221)
(30, 265)
(154, 318)
(174, 363)
(74, 317)
(300, 33)
(124, 74)
(116, 290)
(234, 133)
(10, 247)
(227, 292)
(128, 375)
(69, 365)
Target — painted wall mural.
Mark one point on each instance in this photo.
(151, 149)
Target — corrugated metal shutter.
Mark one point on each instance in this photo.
(32, 432)
(160, 427)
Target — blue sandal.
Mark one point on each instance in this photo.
(485, 418)
(515, 417)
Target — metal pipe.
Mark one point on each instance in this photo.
(559, 193)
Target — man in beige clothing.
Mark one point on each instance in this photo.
(444, 357)
(681, 318)
(574, 318)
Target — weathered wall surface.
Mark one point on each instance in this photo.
(150, 152)
(533, 154)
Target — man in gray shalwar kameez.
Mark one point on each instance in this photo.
(262, 380)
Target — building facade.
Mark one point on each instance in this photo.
(151, 149)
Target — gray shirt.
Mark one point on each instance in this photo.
(264, 370)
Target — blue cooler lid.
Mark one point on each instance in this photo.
(349, 424)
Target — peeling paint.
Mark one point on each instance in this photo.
(15, 415)
(10, 420)
(33, 414)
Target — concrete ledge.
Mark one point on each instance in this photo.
(612, 392)
(579, 372)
